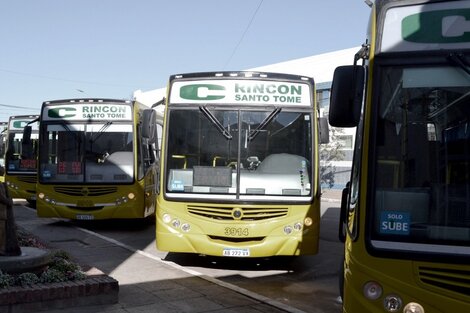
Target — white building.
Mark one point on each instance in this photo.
(321, 67)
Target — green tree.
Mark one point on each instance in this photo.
(330, 152)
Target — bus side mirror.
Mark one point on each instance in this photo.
(324, 130)
(149, 125)
(26, 145)
(27, 133)
(347, 91)
(2, 146)
(343, 213)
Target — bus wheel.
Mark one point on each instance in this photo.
(32, 203)
(341, 278)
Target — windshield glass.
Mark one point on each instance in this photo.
(90, 153)
(422, 160)
(21, 155)
(239, 152)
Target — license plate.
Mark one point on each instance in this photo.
(84, 217)
(236, 252)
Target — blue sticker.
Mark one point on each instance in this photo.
(177, 185)
(395, 223)
(11, 166)
(46, 174)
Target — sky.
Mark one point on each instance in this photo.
(58, 49)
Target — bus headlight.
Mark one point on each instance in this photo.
(413, 307)
(308, 221)
(41, 195)
(287, 230)
(176, 223)
(392, 303)
(185, 227)
(166, 218)
(298, 226)
(372, 290)
(131, 195)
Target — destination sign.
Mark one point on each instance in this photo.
(18, 124)
(433, 26)
(241, 92)
(88, 112)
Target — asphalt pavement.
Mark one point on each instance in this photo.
(146, 283)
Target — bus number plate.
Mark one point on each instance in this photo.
(236, 252)
(84, 217)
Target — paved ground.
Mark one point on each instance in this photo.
(147, 283)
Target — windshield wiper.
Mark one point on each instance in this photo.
(459, 60)
(74, 134)
(263, 124)
(97, 135)
(216, 122)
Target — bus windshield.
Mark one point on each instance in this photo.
(239, 152)
(90, 153)
(421, 201)
(21, 155)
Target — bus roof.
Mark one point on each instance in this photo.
(241, 75)
(86, 100)
(18, 122)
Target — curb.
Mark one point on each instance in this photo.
(94, 290)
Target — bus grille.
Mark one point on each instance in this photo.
(28, 179)
(85, 191)
(449, 279)
(247, 214)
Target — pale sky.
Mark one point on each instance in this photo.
(60, 49)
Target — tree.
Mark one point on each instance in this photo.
(328, 153)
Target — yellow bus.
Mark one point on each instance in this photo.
(240, 174)
(97, 160)
(405, 215)
(21, 156)
(3, 136)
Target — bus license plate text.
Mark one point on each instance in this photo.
(84, 217)
(236, 252)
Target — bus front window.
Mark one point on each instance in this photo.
(422, 160)
(93, 153)
(239, 152)
(21, 156)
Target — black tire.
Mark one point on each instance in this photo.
(341, 279)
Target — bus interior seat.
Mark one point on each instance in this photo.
(121, 158)
(282, 163)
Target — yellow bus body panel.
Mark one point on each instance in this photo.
(25, 186)
(412, 281)
(77, 202)
(211, 236)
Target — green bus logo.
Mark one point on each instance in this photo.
(202, 92)
(20, 124)
(61, 112)
(446, 26)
